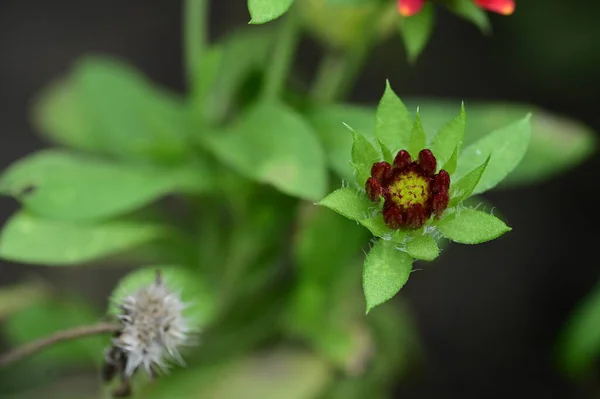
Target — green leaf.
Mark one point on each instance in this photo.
(506, 146)
(348, 202)
(262, 11)
(416, 32)
(448, 140)
(422, 247)
(130, 118)
(66, 186)
(273, 144)
(418, 139)
(385, 272)
(387, 154)
(393, 123)
(20, 296)
(53, 315)
(470, 12)
(300, 375)
(557, 144)
(579, 342)
(364, 155)
(58, 114)
(191, 288)
(450, 165)
(318, 241)
(470, 226)
(207, 70)
(376, 226)
(465, 186)
(29, 239)
(329, 123)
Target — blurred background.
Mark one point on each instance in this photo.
(488, 315)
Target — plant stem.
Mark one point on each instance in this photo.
(283, 54)
(195, 35)
(66, 335)
(337, 73)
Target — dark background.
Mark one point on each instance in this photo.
(488, 315)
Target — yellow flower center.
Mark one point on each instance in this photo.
(410, 189)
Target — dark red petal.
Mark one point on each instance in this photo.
(406, 8)
(427, 162)
(402, 160)
(441, 182)
(392, 215)
(381, 172)
(416, 216)
(374, 189)
(504, 7)
(440, 203)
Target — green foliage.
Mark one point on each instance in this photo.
(216, 94)
(262, 11)
(364, 155)
(452, 163)
(469, 226)
(557, 144)
(416, 31)
(300, 375)
(504, 148)
(579, 343)
(418, 139)
(465, 186)
(386, 270)
(241, 239)
(329, 123)
(322, 311)
(273, 144)
(349, 203)
(70, 187)
(422, 247)
(469, 11)
(53, 315)
(393, 123)
(448, 141)
(108, 107)
(20, 296)
(26, 238)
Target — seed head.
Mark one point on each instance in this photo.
(154, 328)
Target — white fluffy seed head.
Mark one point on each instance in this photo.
(154, 328)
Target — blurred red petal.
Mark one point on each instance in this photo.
(504, 7)
(441, 182)
(381, 171)
(374, 189)
(406, 8)
(392, 215)
(402, 160)
(427, 162)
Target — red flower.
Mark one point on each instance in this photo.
(412, 190)
(411, 7)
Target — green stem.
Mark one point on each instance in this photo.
(337, 73)
(283, 54)
(195, 35)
